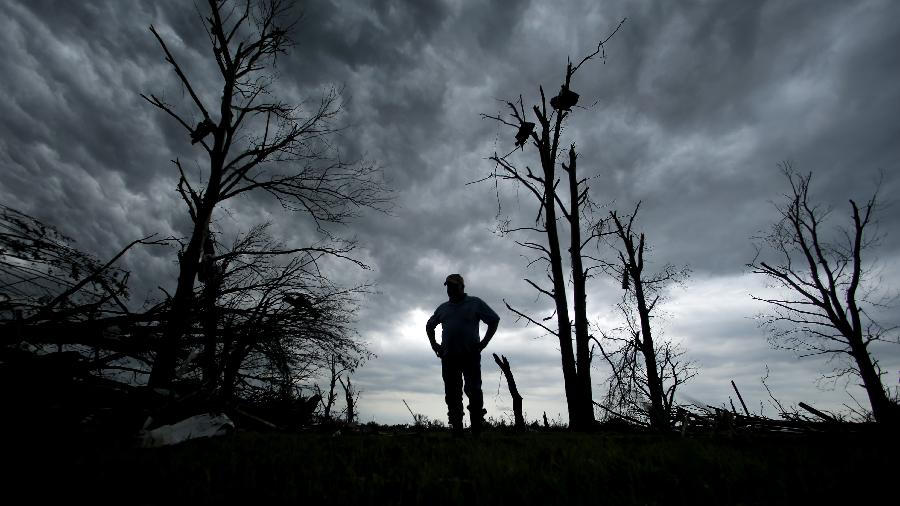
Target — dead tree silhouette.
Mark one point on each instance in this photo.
(252, 133)
(351, 397)
(504, 366)
(338, 366)
(825, 309)
(266, 340)
(543, 186)
(663, 369)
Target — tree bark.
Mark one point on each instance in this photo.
(570, 378)
(183, 300)
(658, 416)
(882, 408)
(212, 281)
(163, 371)
(582, 338)
(634, 266)
(350, 399)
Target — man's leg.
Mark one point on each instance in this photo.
(453, 391)
(472, 374)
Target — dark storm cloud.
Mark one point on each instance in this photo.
(707, 88)
(76, 146)
(382, 34)
(401, 63)
(80, 148)
(403, 79)
(693, 108)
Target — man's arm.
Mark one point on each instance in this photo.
(429, 329)
(490, 318)
(492, 328)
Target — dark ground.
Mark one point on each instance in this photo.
(382, 466)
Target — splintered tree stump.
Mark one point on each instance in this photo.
(513, 391)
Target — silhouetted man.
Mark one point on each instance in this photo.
(460, 350)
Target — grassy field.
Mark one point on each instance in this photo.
(432, 468)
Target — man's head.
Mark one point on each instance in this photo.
(456, 287)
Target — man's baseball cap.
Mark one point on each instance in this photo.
(455, 278)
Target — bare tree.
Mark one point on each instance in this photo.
(543, 187)
(627, 385)
(338, 365)
(663, 368)
(52, 293)
(822, 307)
(279, 320)
(351, 397)
(247, 138)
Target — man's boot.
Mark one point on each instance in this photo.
(456, 428)
(477, 419)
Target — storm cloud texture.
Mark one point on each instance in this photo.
(694, 107)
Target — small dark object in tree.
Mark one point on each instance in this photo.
(525, 130)
(203, 129)
(301, 302)
(565, 100)
(625, 283)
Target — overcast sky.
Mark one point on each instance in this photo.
(694, 108)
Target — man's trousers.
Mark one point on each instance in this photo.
(463, 373)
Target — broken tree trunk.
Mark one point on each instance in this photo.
(350, 398)
(816, 412)
(740, 398)
(620, 415)
(513, 391)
